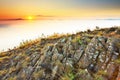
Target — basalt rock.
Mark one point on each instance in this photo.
(89, 55)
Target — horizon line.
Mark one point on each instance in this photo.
(16, 19)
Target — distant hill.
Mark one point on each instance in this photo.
(11, 19)
(89, 55)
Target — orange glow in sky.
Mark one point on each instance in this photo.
(59, 8)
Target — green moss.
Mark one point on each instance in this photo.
(76, 39)
(80, 41)
(68, 76)
(71, 76)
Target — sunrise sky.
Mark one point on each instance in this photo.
(59, 8)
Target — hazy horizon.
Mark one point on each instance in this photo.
(14, 32)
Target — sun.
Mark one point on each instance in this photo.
(30, 18)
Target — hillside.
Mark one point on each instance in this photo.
(89, 55)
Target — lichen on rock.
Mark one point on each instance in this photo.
(89, 55)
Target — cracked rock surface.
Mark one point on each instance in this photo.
(89, 55)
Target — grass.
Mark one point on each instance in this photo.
(12, 69)
(76, 39)
(2, 72)
(2, 59)
(98, 77)
(56, 35)
(81, 71)
(12, 78)
(102, 72)
(118, 45)
(28, 43)
(117, 61)
(3, 54)
(21, 54)
(38, 74)
(80, 41)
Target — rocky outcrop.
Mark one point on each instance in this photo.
(90, 55)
